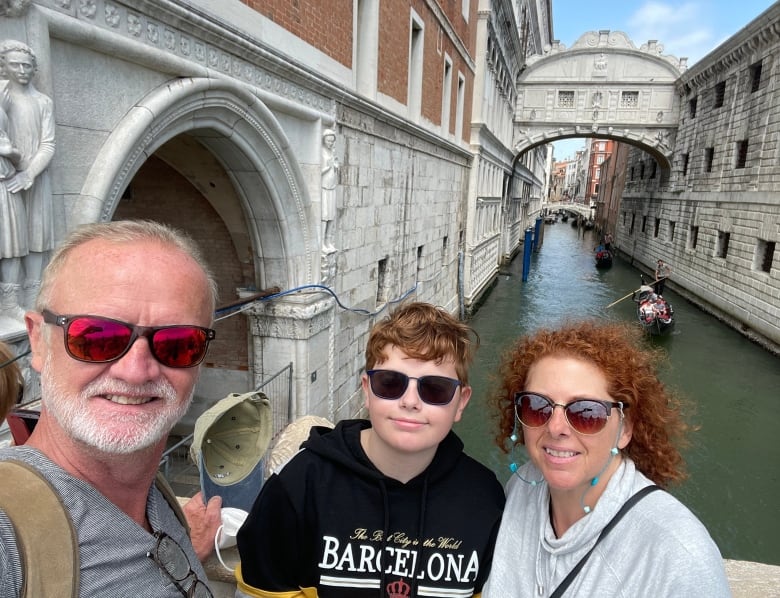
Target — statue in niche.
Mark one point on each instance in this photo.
(13, 225)
(600, 62)
(31, 129)
(330, 179)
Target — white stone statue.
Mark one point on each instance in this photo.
(330, 179)
(31, 129)
(13, 224)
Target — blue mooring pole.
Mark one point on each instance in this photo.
(538, 233)
(527, 249)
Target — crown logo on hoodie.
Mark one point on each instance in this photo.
(398, 589)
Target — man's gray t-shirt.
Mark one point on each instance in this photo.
(112, 547)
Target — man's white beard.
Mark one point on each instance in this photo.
(120, 435)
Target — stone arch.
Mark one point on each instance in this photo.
(244, 135)
(602, 87)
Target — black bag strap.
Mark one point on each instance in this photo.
(639, 495)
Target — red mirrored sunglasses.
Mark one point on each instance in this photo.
(95, 339)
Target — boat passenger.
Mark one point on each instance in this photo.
(600, 429)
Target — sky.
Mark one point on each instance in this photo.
(685, 28)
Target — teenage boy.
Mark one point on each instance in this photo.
(389, 506)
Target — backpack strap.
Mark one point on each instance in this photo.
(170, 496)
(47, 543)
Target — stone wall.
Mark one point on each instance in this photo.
(718, 209)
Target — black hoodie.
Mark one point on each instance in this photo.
(330, 520)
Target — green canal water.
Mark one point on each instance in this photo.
(734, 458)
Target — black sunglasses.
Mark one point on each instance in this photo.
(433, 390)
(171, 558)
(95, 339)
(586, 416)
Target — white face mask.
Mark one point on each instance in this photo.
(232, 520)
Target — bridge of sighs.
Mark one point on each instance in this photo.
(603, 86)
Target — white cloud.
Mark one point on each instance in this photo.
(683, 31)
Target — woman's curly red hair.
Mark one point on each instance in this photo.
(631, 370)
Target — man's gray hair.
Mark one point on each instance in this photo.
(123, 231)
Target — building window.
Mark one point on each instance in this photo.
(631, 228)
(420, 262)
(755, 76)
(416, 48)
(765, 253)
(654, 170)
(656, 226)
(366, 47)
(629, 99)
(632, 173)
(722, 246)
(672, 225)
(742, 148)
(446, 96)
(381, 282)
(464, 9)
(692, 107)
(709, 154)
(565, 99)
(641, 170)
(720, 94)
(459, 107)
(685, 164)
(644, 224)
(444, 243)
(693, 237)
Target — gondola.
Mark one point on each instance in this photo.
(655, 314)
(603, 257)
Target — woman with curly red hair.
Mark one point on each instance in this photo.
(599, 427)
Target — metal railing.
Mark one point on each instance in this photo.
(182, 473)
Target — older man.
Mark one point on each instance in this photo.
(121, 325)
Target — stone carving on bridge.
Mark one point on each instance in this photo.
(26, 210)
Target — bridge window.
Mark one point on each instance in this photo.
(685, 164)
(720, 94)
(742, 147)
(566, 99)
(765, 251)
(755, 76)
(709, 155)
(629, 99)
(722, 246)
(693, 237)
(692, 107)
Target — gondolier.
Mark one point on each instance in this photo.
(662, 272)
